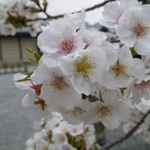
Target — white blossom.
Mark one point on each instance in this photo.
(114, 10)
(57, 89)
(121, 73)
(35, 106)
(75, 130)
(8, 29)
(73, 116)
(133, 29)
(139, 89)
(3, 15)
(109, 110)
(77, 19)
(93, 37)
(60, 39)
(59, 138)
(88, 67)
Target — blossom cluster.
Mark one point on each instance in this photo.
(79, 65)
(14, 14)
(57, 134)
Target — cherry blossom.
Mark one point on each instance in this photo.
(121, 73)
(57, 89)
(110, 114)
(139, 89)
(89, 66)
(93, 37)
(133, 29)
(60, 39)
(114, 10)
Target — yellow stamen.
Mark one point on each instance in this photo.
(83, 65)
(118, 69)
(140, 29)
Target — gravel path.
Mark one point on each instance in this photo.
(16, 127)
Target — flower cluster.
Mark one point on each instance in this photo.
(131, 21)
(79, 65)
(57, 134)
(14, 14)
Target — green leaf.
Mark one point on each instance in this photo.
(28, 74)
(45, 4)
(100, 96)
(43, 107)
(27, 78)
(32, 60)
(34, 10)
(22, 80)
(133, 52)
(37, 56)
(16, 20)
(122, 90)
(36, 102)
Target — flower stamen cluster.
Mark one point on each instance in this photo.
(83, 65)
(140, 29)
(67, 45)
(58, 83)
(118, 69)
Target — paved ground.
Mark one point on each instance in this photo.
(16, 128)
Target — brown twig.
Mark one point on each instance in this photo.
(128, 134)
(61, 15)
(99, 5)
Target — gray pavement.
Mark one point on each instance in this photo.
(16, 127)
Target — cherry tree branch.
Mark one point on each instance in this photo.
(99, 5)
(128, 134)
(61, 15)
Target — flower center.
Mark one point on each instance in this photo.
(9, 29)
(103, 113)
(83, 66)
(118, 69)
(75, 112)
(140, 29)
(58, 83)
(67, 45)
(74, 130)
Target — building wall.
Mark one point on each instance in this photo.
(13, 51)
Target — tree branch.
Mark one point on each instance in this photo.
(128, 134)
(99, 5)
(61, 15)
